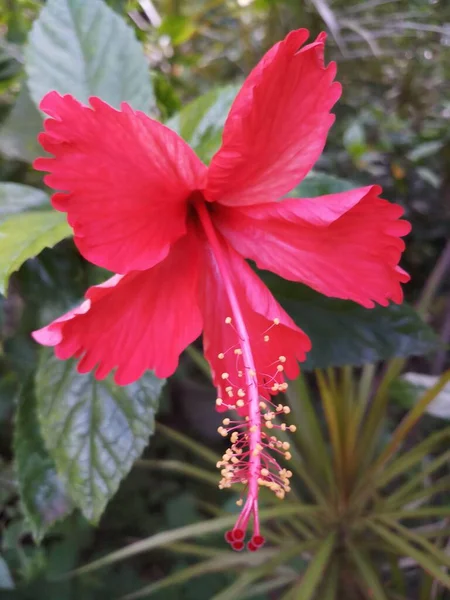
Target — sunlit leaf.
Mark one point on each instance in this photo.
(201, 122)
(42, 492)
(86, 49)
(94, 430)
(23, 236)
(178, 27)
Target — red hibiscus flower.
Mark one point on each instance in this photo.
(143, 205)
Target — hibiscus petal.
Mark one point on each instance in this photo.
(344, 245)
(126, 179)
(259, 309)
(277, 126)
(142, 320)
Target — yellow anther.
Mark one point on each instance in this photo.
(292, 428)
(229, 388)
(279, 407)
(228, 320)
(230, 395)
(275, 387)
(269, 424)
(226, 421)
(219, 401)
(280, 368)
(219, 464)
(280, 494)
(239, 502)
(240, 373)
(287, 455)
(240, 403)
(286, 410)
(286, 445)
(283, 387)
(276, 321)
(264, 472)
(283, 427)
(282, 359)
(253, 428)
(234, 460)
(238, 351)
(262, 405)
(225, 375)
(266, 338)
(288, 474)
(252, 373)
(221, 356)
(241, 393)
(234, 437)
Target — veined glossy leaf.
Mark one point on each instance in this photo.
(86, 49)
(94, 430)
(344, 333)
(42, 491)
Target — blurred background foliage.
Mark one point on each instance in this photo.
(369, 515)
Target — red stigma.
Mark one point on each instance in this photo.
(238, 546)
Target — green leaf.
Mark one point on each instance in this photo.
(165, 538)
(320, 184)
(25, 235)
(201, 122)
(178, 27)
(16, 198)
(425, 150)
(428, 563)
(6, 581)
(368, 573)
(94, 430)
(419, 383)
(344, 333)
(18, 133)
(42, 492)
(316, 568)
(354, 140)
(85, 49)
